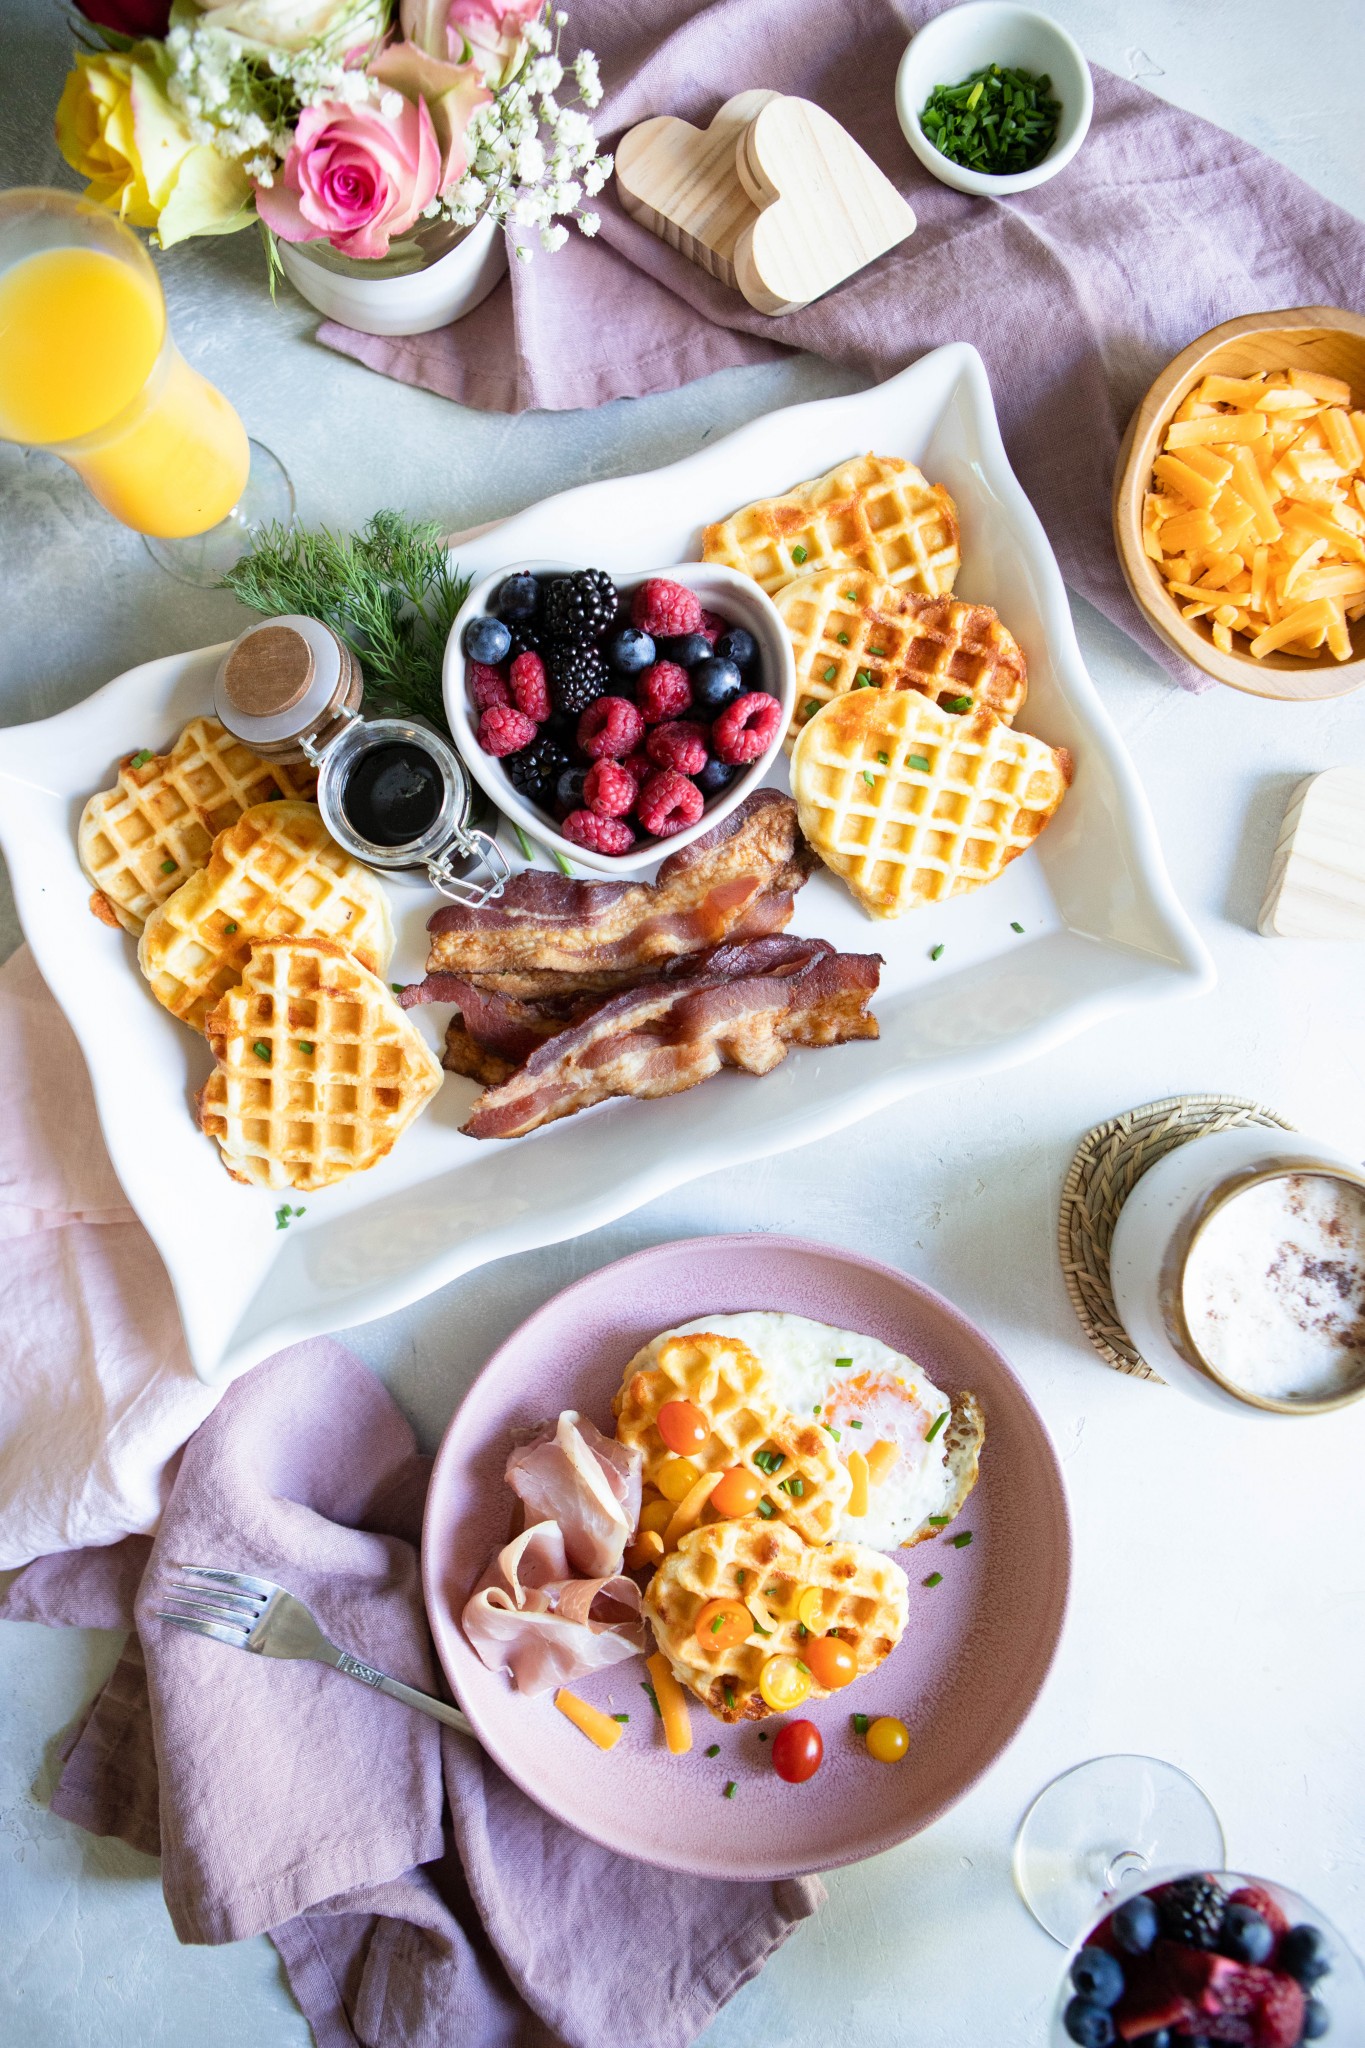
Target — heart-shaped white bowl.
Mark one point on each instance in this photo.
(737, 598)
(960, 41)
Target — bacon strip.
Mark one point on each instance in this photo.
(550, 935)
(744, 1006)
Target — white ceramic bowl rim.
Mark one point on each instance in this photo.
(962, 39)
(718, 586)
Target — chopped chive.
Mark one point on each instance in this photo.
(934, 1579)
(961, 1542)
(282, 1217)
(816, 1409)
(729, 1792)
(645, 1686)
(141, 758)
(812, 704)
(766, 1509)
(741, 1578)
(228, 930)
(729, 1695)
(397, 987)
(851, 596)
(527, 850)
(940, 1521)
(832, 1430)
(885, 760)
(712, 1749)
(622, 1718)
(869, 778)
(841, 1363)
(918, 761)
(936, 952)
(864, 676)
(305, 1045)
(1000, 120)
(957, 703)
(942, 1416)
(168, 867)
(855, 1424)
(1015, 926)
(860, 1723)
(261, 1049)
(842, 638)
(762, 1734)
(877, 653)
(831, 672)
(798, 555)
(300, 1212)
(718, 1624)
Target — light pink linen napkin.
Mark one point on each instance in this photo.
(1076, 294)
(285, 1798)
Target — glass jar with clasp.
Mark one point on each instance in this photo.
(393, 792)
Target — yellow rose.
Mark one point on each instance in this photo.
(116, 127)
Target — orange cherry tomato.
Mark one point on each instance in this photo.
(797, 1751)
(738, 1492)
(724, 1625)
(831, 1661)
(887, 1739)
(683, 1427)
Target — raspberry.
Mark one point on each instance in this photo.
(609, 790)
(640, 766)
(602, 835)
(610, 729)
(668, 803)
(529, 687)
(747, 728)
(664, 692)
(505, 731)
(681, 744)
(1260, 1901)
(661, 607)
(487, 686)
(713, 625)
(1280, 2014)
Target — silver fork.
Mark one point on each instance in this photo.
(256, 1614)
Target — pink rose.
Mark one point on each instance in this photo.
(354, 177)
(487, 30)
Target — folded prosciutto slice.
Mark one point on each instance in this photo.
(742, 1006)
(549, 935)
(567, 1472)
(529, 1616)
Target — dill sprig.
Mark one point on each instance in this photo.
(390, 592)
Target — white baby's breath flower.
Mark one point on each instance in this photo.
(553, 238)
(390, 105)
(588, 223)
(595, 175)
(544, 75)
(589, 81)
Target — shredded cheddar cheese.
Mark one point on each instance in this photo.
(597, 1726)
(672, 1704)
(858, 1473)
(687, 1514)
(881, 1458)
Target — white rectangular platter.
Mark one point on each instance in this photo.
(1102, 930)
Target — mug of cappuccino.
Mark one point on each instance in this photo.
(1238, 1271)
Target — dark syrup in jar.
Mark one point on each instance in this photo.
(393, 794)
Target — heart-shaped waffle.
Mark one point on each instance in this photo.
(805, 1483)
(872, 512)
(862, 1598)
(139, 841)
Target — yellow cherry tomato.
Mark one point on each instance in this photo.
(676, 1477)
(656, 1515)
(683, 1427)
(784, 1682)
(738, 1493)
(724, 1625)
(831, 1661)
(810, 1610)
(888, 1739)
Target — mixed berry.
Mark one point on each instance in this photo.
(1192, 1963)
(619, 717)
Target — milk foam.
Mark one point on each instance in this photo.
(1275, 1288)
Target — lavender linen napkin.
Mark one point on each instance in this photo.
(416, 1897)
(1075, 294)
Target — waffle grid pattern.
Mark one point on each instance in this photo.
(875, 513)
(865, 1602)
(911, 805)
(319, 1072)
(169, 810)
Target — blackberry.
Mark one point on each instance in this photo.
(527, 637)
(1192, 1912)
(536, 769)
(578, 676)
(579, 608)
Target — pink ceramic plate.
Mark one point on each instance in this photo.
(965, 1674)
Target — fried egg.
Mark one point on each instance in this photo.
(865, 1393)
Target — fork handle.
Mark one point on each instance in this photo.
(396, 1690)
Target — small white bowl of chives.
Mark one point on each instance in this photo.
(1008, 117)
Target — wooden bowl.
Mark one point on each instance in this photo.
(1322, 338)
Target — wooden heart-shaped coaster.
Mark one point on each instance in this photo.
(1317, 877)
(680, 182)
(824, 208)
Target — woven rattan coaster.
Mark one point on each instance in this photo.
(1109, 1161)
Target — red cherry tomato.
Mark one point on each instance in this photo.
(738, 1492)
(831, 1661)
(683, 1427)
(724, 1625)
(797, 1751)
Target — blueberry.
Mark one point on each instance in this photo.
(1162, 2038)
(518, 597)
(1246, 1935)
(629, 650)
(1098, 1976)
(685, 649)
(714, 777)
(737, 646)
(715, 684)
(1303, 1953)
(487, 640)
(1316, 2020)
(569, 791)
(1088, 2023)
(1136, 1924)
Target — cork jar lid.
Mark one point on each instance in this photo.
(281, 679)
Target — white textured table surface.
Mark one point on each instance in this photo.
(1218, 1616)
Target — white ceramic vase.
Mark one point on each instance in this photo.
(383, 298)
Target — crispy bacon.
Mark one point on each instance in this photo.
(743, 1006)
(549, 935)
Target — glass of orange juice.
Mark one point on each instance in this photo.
(89, 371)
